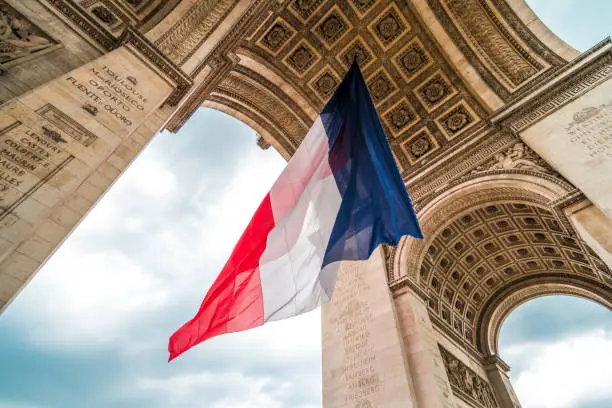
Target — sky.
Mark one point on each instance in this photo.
(91, 329)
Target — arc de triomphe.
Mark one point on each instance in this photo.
(502, 132)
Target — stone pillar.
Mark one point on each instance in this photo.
(63, 144)
(497, 372)
(431, 386)
(595, 229)
(575, 135)
(363, 360)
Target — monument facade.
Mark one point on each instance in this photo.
(502, 132)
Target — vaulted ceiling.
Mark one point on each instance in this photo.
(435, 69)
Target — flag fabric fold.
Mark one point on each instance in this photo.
(339, 197)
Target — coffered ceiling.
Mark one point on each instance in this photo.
(290, 64)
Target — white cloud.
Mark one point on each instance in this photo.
(563, 374)
(88, 298)
(240, 390)
(162, 245)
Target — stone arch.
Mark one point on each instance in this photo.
(518, 185)
(490, 238)
(510, 298)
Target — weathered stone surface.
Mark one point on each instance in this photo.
(363, 359)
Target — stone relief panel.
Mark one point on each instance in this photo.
(517, 157)
(466, 383)
(19, 38)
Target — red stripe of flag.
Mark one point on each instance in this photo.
(235, 301)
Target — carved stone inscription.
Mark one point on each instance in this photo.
(27, 157)
(119, 96)
(591, 129)
(118, 91)
(576, 140)
(352, 326)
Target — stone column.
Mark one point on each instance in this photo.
(497, 371)
(62, 145)
(431, 385)
(595, 229)
(363, 360)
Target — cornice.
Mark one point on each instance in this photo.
(100, 35)
(561, 87)
(132, 37)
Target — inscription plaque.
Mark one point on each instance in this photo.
(591, 129)
(363, 364)
(577, 141)
(27, 159)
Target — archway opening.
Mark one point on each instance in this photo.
(559, 350)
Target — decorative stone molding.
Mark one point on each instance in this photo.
(181, 41)
(85, 22)
(566, 91)
(148, 50)
(466, 384)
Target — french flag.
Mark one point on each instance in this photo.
(340, 196)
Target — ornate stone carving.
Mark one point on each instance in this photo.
(358, 50)
(466, 383)
(93, 110)
(149, 51)
(261, 142)
(456, 120)
(381, 86)
(105, 15)
(18, 37)
(325, 84)
(561, 95)
(332, 27)
(304, 9)
(277, 36)
(436, 90)
(389, 26)
(86, 23)
(490, 247)
(419, 146)
(264, 103)
(53, 135)
(518, 157)
(301, 58)
(504, 54)
(400, 117)
(362, 6)
(186, 36)
(412, 59)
